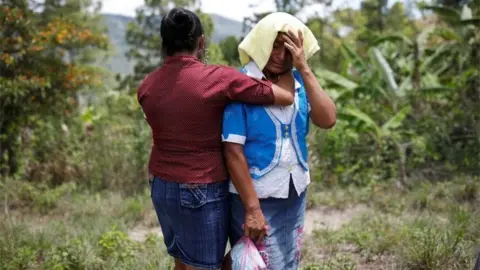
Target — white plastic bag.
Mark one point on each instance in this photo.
(245, 256)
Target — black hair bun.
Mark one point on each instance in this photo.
(181, 20)
(180, 30)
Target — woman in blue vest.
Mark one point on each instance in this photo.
(266, 146)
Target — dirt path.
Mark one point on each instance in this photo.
(332, 219)
(317, 218)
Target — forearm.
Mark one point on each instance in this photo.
(323, 111)
(240, 175)
(254, 91)
(283, 97)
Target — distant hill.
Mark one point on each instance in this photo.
(117, 26)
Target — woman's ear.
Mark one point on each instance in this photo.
(201, 46)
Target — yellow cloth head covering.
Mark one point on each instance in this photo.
(258, 44)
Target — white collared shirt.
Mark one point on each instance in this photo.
(276, 183)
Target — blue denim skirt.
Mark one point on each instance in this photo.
(282, 246)
(194, 220)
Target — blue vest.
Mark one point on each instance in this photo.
(265, 133)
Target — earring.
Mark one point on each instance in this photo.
(205, 56)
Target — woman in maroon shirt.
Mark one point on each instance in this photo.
(183, 102)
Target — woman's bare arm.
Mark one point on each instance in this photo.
(255, 224)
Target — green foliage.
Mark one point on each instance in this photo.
(215, 55)
(84, 230)
(46, 59)
(229, 47)
(429, 246)
(65, 257)
(386, 100)
(144, 40)
(406, 92)
(116, 244)
(374, 10)
(394, 230)
(336, 262)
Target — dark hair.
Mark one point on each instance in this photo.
(180, 31)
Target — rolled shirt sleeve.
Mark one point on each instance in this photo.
(234, 125)
(243, 88)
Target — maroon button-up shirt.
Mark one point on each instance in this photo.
(183, 102)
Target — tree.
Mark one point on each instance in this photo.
(375, 11)
(214, 53)
(397, 20)
(144, 40)
(288, 6)
(45, 59)
(457, 4)
(229, 47)
(412, 101)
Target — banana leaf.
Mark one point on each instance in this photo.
(336, 78)
(430, 91)
(396, 120)
(406, 84)
(422, 39)
(473, 21)
(386, 71)
(430, 60)
(358, 114)
(353, 56)
(449, 14)
(392, 38)
(448, 34)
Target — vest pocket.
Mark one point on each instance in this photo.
(193, 196)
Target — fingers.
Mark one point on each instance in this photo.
(300, 37)
(257, 234)
(288, 40)
(295, 38)
(261, 236)
(246, 231)
(290, 48)
(255, 226)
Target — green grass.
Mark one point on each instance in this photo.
(430, 226)
(81, 231)
(385, 197)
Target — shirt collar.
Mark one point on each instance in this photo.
(254, 71)
(181, 58)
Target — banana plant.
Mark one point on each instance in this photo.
(369, 122)
(405, 77)
(386, 131)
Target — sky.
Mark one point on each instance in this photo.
(233, 9)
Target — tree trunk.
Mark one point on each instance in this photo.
(380, 15)
(8, 158)
(402, 168)
(416, 68)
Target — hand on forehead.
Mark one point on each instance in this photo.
(281, 36)
(289, 35)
